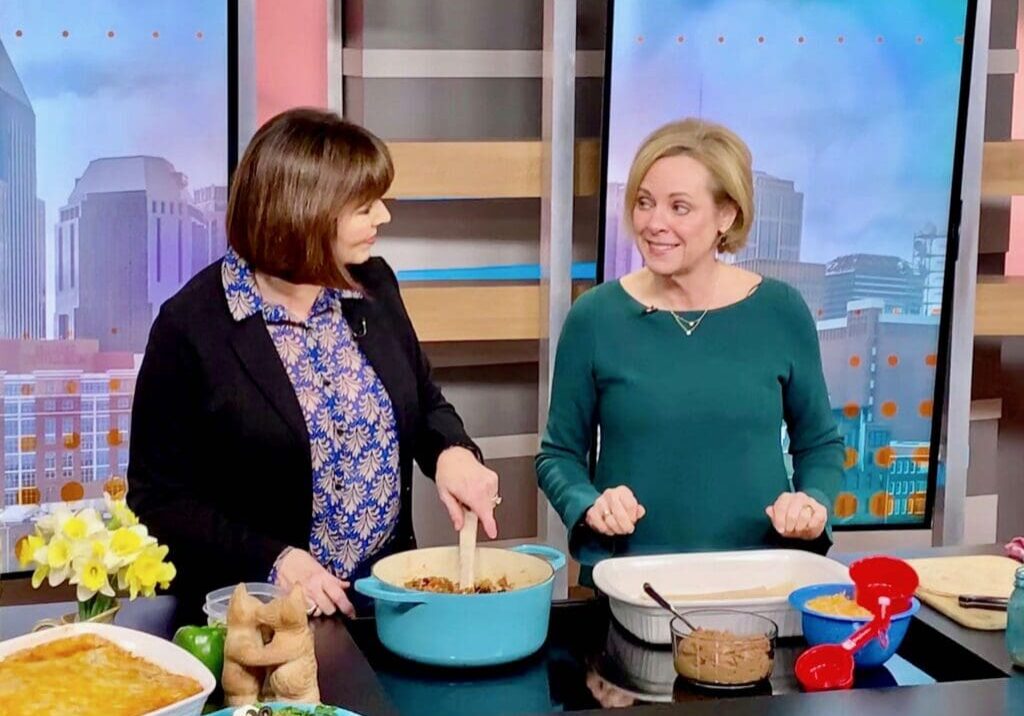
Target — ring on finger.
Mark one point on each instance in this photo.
(496, 500)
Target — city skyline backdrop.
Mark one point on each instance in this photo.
(850, 99)
(130, 94)
(113, 174)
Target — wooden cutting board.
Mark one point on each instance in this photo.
(944, 578)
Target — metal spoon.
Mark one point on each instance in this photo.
(662, 602)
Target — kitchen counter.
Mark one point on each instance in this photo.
(941, 669)
(958, 670)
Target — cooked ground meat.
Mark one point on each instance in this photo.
(443, 585)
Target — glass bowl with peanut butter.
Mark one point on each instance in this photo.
(725, 649)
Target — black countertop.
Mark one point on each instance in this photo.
(972, 668)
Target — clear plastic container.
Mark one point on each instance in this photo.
(216, 607)
(726, 650)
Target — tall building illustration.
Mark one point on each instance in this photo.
(778, 220)
(930, 262)
(880, 370)
(858, 276)
(212, 203)
(22, 249)
(127, 240)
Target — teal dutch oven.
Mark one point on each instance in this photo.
(464, 630)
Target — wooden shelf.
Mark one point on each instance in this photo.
(513, 169)
(482, 170)
(986, 409)
(476, 316)
(1002, 171)
(474, 312)
(999, 307)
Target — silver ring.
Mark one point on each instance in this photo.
(496, 500)
(606, 514)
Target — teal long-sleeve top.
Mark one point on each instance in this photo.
(692, 424)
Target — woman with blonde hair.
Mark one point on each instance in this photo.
(685, 372)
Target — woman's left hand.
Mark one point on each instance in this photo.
(463, 481)
(797, 515)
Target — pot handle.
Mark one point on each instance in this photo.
(552, 555)
(373, 587)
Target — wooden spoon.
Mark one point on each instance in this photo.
(467, 551)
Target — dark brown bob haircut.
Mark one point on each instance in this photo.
(300, 172)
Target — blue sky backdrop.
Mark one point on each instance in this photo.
(864, 127)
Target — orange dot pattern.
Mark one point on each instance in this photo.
(851, 458)
(72, 491)
(925, 409)
(920, 456)
(854, 361)
(889, 409)
(881, 504)
(851, 411)
(931, 360)
(893, 361)
(846, 505)
(917, 502)
(884, 457)
(116, 487)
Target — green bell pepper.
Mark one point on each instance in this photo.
(206, 643)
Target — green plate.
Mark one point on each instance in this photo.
(293, 709)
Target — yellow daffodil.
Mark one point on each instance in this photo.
(39, 575)
(57, 557)
(91, 577)
(147, 571)
(126, 543)
(80, 548)
(120, 512)
(81, 525)
(26, 548)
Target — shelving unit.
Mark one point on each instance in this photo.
(999, 308)
(482, 170)
(1002, 171)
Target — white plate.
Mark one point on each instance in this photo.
(683, 578)
(155, 650)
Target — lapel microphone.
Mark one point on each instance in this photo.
(649, 310)
(361, 330)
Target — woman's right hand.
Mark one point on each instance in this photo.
(615, 512)
(322, 589)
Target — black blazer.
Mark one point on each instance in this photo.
(220, 466)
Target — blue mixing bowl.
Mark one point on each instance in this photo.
(826, 629)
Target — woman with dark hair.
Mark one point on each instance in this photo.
(284, 395)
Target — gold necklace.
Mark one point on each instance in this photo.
(690, 325)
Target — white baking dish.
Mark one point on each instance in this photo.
(153, 649)
(690, 581)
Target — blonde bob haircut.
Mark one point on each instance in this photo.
(723, 154)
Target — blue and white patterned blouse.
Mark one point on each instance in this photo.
(353, 436)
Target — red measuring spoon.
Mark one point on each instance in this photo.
(883, 585)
